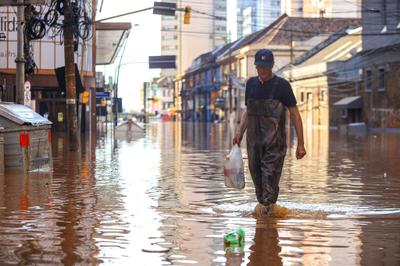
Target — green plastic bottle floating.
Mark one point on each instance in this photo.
(234, 238)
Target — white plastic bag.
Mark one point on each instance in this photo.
(233, 168)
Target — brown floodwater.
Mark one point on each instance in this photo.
(161, 200)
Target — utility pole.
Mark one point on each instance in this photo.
(288, 117)
(145, 118)
(20, 61)
(291, 56)
(70, 81)
(230, 77)
(180, 23)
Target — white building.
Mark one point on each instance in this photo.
(242, 18)
(322, 8)
(248, 16)
(187, 41)
(267, 12)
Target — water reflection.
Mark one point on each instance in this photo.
(161, 200)
(266, 249)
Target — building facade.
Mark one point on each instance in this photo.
(267, 12)
(47, 93)
(202, 99)
(217, 79)
(325, 81)
(381, 63)
(322, 8)
(285, 37)
(187, 41)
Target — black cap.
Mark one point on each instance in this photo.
(264, 57)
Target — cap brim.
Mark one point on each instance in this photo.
(264, 64)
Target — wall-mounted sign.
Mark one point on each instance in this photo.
(27, 93)
(48, 53)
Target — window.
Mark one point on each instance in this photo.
(381, 79)
(302, 96)
(169, 37)
(169, 47)
(169, 17)
(368, 80)
(220, 8)
(323, 96)
(169, 27)
(243, 68)
(344, 113)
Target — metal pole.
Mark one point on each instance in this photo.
(145, 101)
(180, 22)
(117, 81)
(70, 82)
(230, 78)
(20, 61)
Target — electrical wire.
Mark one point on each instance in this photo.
(52, 20)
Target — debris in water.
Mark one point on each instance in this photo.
(155, 249)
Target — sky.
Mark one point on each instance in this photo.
(143, 41)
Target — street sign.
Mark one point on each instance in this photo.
(26, 2)
(102, 95)
(163, 61)
(117, 105)
(164, 8)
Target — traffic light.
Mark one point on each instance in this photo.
(186, 18)
(85, 97)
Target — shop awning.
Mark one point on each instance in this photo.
(353, 102)
(110, 37)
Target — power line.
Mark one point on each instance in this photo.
(302, 32)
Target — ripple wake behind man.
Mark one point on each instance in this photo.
(267, 98)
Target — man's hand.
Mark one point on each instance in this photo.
(300, 152)
(298, 125)
(237, 139)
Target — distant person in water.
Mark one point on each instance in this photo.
(267, 98)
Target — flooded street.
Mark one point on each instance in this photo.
(161, 200)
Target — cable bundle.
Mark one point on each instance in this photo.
(52, 19)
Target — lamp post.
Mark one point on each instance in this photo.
(116, 78)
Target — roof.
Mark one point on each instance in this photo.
(206, 59)
(21, 114)
(393, 47)
(245, 40)
(110, 37)
(339, 46)
(352, 102)
(286, 29)
(300, 29)
(164, 81)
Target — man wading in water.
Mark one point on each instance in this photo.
(267, 97)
